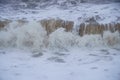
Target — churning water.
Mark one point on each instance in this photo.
(33, 35)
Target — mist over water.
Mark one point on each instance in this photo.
(32, 36)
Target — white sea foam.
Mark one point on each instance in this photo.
(30, 36)
(33, 36)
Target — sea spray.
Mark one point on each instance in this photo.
(32, 36)
(27, 36)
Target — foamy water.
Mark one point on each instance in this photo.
(32, 36)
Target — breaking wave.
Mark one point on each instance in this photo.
(33, 36)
